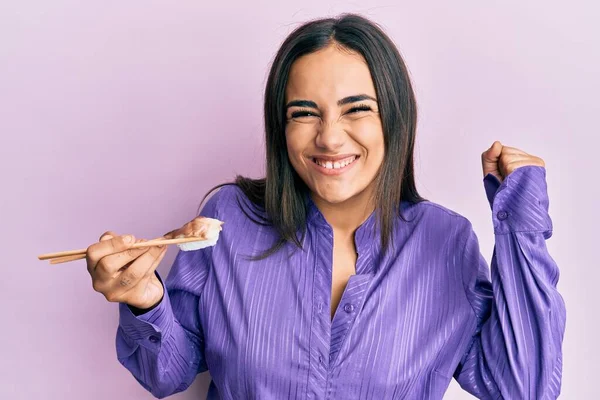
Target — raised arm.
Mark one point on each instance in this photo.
(519, 318)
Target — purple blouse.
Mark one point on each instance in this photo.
(408, 322)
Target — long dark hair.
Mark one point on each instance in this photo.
(278, 199)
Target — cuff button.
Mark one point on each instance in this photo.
(153, 339)
(502, 215)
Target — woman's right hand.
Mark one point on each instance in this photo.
(124, 274)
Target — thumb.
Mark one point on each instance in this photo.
(490, 158)
(169, 235)
(107, 236)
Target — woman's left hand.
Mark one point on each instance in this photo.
(500, 160)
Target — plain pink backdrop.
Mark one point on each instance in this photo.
(120, 115)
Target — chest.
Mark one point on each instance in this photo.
(344, 266)
(270, 319)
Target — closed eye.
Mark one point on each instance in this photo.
(354, 110)
(298, 114)
(361, 107)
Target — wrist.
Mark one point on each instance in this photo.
(144, 308)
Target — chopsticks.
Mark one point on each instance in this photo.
(72, 255)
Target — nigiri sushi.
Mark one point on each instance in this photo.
(207, 229)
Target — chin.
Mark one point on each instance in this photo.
(335, 198)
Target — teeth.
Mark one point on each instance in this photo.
(336, 164)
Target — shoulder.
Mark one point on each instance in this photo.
(430, 209)
(218, 200)
(230, 204)
(244, 230)
(435, 217)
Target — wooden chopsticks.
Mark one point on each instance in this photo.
(72, 255)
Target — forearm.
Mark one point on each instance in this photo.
(518, 351)
(159, 352)
(520, 316)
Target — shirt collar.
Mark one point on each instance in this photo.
(366, 236)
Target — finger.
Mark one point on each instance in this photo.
(91, 264)
(513, 165)
(110, 265)
(141, 269)
(170, 234)
(103, 277)
(508, 159)
(107, 235)
(97, 251)
(156, 261)
(512, 150)
(490, 159)
(146, 287)
(492, 154)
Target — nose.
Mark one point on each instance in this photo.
(330, 137)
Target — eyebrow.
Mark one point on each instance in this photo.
(341, 102)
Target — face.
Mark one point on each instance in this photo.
(333, 129)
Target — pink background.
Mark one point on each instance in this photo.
(120, 115)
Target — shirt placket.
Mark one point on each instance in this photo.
(321, 324)
(327, 336)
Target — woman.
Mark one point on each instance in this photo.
(332, 277)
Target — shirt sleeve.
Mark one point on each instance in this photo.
(515, 351)
(164, 347)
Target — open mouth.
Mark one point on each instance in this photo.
(335, 164)
(328, 167)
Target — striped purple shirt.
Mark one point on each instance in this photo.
(408, 322)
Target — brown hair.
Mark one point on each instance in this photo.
(280, 195)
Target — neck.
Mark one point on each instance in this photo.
(347, 216)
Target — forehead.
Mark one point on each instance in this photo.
(329, 74)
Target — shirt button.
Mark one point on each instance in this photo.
(153, 339)
(502, 215)
(320, 359)
(349, 308)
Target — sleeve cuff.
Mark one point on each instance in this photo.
(151, 328)
(520, 203)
